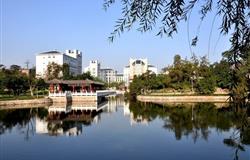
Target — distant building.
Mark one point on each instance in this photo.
(25, 71)
(119, 78)
(137, 67)
(126, 75)
(108, 75)
(71, 57)
(76, 62)
(93, 68)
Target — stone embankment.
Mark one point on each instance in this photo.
(183, 99)
(74, 99)
(29, 102)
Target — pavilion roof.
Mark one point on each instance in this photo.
(74, 82)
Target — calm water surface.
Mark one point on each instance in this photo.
(118, 130)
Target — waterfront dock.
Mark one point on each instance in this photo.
(67, 96)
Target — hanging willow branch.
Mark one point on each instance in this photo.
(234, 15)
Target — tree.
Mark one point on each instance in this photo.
(32, 80)
(15, 83)
(15, 67)
(206, 85)
(2, 66)
(84, 76)
(222, 75)
(65, 71)
(177, 60)
(53, 71)
(181, 73)
(234, 15)
(169, 13)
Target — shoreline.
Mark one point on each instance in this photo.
(28, 102)
(183, 99)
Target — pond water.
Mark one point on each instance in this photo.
(117, 130)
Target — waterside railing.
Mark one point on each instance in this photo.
(69, 93)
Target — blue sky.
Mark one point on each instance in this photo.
(33, 26)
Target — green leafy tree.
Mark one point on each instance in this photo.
(206, 85)
(84, 76)
(53, 71)
(16, 84)
(221, 72)
(32, 81)
(168, 14)
(66, 72)
(15, 68)
(181, 74)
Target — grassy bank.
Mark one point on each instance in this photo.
(21, 97)
(182, 94)
(182, 98)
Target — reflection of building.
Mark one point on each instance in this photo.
(126, 110)
(133, 120)
(137, 120)
(57, 128)
(113, 104)
(41, 126)
(72, 57)
(137, 67)
(69, 120)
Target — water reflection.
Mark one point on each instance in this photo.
(199, 120)
(195, 120)
(183, 121)
(69, 119)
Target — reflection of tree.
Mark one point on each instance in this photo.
(241, 133)
(56, 128)
(61, 122)
(192, 120)
(22, 118)
(56, 123)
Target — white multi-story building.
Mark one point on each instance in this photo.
(126, 75)
(137, 67)
(108, 75)
(71, 57)
(93, 68)
(119, 78)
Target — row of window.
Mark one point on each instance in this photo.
(49, 57)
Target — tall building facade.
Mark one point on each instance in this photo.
(137, 67)
(93, 68)
(76, 61)
(71, 57)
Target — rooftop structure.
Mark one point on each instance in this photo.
(107, 75)
(94, 68)
(71, 57)
(137, 67)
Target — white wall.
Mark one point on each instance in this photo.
(72, 58)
